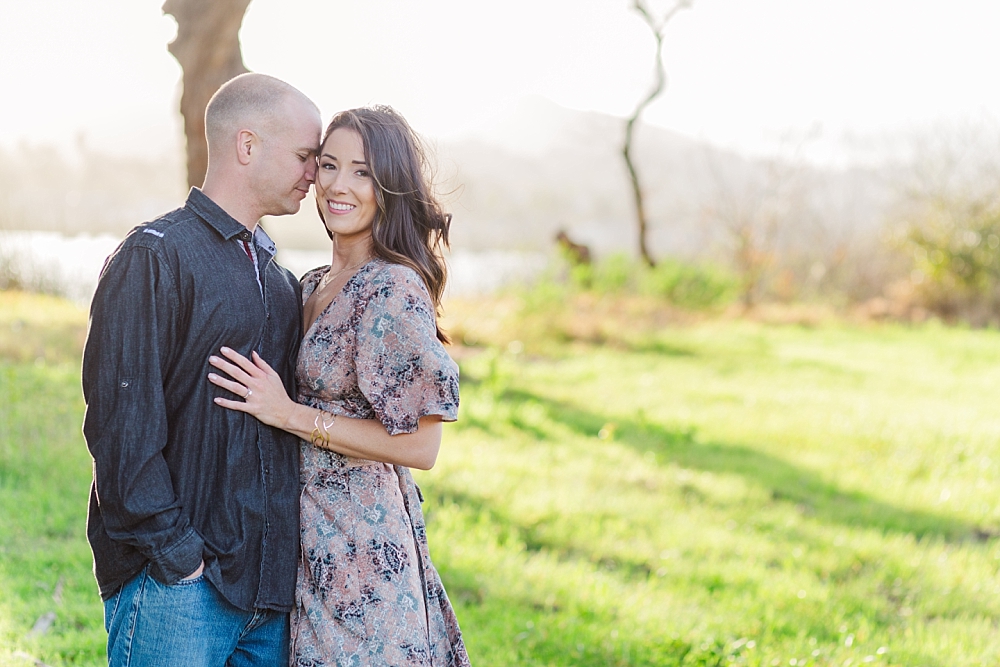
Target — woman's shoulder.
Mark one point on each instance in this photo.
(313, 275)
(311, 278)
(398, 279)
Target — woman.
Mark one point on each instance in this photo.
(374, 385)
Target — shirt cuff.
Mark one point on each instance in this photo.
(178, 561)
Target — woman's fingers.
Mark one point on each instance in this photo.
(255, 382)
(230, 369)
(263, 365)
(238, 359)
(232, 405)
(235, 387)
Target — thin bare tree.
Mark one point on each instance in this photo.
(207, 47)
(657, 26)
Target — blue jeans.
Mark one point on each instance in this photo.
(189, 624)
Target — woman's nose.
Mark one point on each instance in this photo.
(339, 184)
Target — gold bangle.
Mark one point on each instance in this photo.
(322, 438)
(326, 426)
(315, 434)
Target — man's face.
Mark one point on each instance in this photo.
(287, 165)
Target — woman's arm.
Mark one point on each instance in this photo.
(265, 398)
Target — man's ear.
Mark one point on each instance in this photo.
(247, 143)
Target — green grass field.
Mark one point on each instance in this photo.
(633, 488)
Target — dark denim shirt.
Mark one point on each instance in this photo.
(177, 478)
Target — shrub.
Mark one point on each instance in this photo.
(956, 255)
(684, 284)
(693, 286)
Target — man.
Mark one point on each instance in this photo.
(193, 517)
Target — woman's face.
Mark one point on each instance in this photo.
(345, 190)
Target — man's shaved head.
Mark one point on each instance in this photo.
(249, 101)
(263, 135)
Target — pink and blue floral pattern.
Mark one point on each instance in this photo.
(367, 592)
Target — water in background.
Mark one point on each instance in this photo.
(469, 272)
(70, 265)
(52, 262)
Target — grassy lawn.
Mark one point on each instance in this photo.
(44, 481)
(633, 488)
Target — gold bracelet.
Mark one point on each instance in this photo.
(315, 434)
(326, 426)
(318, 439)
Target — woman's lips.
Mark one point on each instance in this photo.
(339, 208)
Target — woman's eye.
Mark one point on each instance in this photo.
(362, 173)
(329, 166)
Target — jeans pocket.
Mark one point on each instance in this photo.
(189, 582)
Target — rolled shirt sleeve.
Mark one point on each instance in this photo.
(130, 343)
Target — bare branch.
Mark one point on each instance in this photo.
(659, 85)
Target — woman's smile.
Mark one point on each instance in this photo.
(339, 208)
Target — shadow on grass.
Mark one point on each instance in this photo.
(813, 495)
(504, 631)
(561, 630)
(542, 628)
(650, 345)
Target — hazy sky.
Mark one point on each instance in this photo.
(742, 72)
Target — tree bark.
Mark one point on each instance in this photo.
(208, 49)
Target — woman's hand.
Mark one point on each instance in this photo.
(264, 397)
(256, 383)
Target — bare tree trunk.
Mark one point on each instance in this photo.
(208, 49)
(658, 87)
(640, 208)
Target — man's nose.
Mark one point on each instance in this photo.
(311, 170)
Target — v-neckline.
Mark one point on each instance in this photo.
(336, 296)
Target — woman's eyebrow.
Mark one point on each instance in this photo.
(361, 162)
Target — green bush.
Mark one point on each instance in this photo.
(955, 249)
(684, 284)
(690, 285)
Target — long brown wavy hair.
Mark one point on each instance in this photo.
(410, 227)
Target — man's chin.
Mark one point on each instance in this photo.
(289, 208)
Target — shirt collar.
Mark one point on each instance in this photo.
(226, 224)
(214, 215)
(264, 242)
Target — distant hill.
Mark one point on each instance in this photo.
(541, 168)
(546, 167)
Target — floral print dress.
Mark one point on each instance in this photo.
(367, 592)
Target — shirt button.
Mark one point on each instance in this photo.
(124, 384)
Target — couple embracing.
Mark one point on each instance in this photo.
(252, 434)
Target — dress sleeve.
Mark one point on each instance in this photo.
(403, 369)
